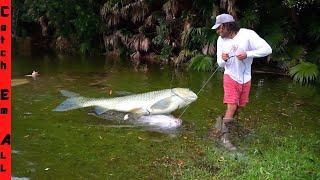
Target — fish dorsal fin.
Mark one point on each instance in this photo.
(162, 104)
(69, 94)
(100, 110)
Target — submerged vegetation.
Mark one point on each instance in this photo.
(172, 31)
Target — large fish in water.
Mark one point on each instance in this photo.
(159, 123)
(155, 102)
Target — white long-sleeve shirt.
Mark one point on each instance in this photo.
(244, 41)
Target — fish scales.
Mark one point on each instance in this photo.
(122, 102)
(155, 102)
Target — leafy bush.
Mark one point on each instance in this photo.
(276, 38)
(85, 48)
(314, 30)
(201, 63)
(313, 55)
(166, 52)
(304, 73)
(162, 33)
(250, 19)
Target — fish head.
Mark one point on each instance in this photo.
(186, 94)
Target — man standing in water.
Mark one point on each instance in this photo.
(236, 48)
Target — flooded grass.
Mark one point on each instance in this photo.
(277, 134)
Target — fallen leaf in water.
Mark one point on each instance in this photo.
(26, 136)
(221, 159)
(141, 138)
(113, 158)
(46, 169)
(16, 82)
(180, 162)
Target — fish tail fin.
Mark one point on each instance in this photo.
(69, 94)
(74, 101)
(71, 103)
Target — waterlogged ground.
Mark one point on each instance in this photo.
(277, 135)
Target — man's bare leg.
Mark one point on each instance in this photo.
(228, 117)
(231, 109)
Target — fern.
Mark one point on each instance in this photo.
(250, 19)
(185, 36)
(304, 73)
(201, 63)
(183, 55)
(166, 52)
(278, 35)
(276, 40)
(296, 52)
(313, 55)
(314, 30)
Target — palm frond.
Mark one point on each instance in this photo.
(296, 52)
(111, 40)
(166, 51)
(277, 40)
(199, 31)
(183, 55)
(201, 63)
(211, 36)
(313, 55)
(232, 8)
(140, 42)
(304, 73)
(139, 11)
(186, 32)
(171, 9)
(250, 19)
(163, 32)
(278, 35)
(85, 47)
(209, 49)
(105, 10)
(149, 22)
(124, 12)
(185, 36)
(112, 20)
(314, 30)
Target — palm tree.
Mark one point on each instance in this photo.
(171, 9)
(229, 5)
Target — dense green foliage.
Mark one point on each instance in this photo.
(201, 63)
(304, 72)
(164, 29)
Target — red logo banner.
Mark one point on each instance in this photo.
(5, 89)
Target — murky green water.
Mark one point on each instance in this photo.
(75, 145)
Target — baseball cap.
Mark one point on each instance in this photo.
(222, 18)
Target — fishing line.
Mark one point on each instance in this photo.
(200, 90)
(242, 85)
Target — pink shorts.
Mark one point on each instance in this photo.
(234, 92)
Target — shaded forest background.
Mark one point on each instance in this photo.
(176, 32)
